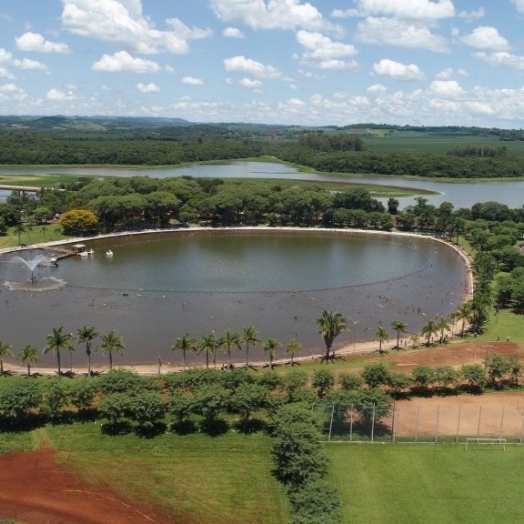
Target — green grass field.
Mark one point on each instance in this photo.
(194, 478)
(441, 484)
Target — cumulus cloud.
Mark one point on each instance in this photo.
(123, 23)
(192, 81)
(398, 71)
(254, 85)
(275, 14)
(148, 88)
(501, 58)
(55, 95)
(519, 5)
(377, 88)
(247, 65)
(123, 61)
(486, 37)
(323, 52)
(423, 10)
(26, 63)
(36, 43)
(394, 32)
(447, 89)
(474, 14)
(233, 32)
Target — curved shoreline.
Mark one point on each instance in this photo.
(356, 347)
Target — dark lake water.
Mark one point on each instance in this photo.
(156, 287)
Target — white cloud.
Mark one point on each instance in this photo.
(486, 37)
(323, 52)
(123, 61)
(448, 72)
(254, 85)
(247, 65)
(122, 22)
(502, 58)
(376, 88)
(36, 43)
(519, 5)
(189, 80)
(233, 32)
(56, 95)
(474, 14)
(424, 10)
(5, 73)
(398, 71)
(449, 89)
(398, 33)
(5, 56)
(26, 63)
(148, 88)
(275, 14)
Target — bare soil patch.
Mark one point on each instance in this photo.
(34, 489)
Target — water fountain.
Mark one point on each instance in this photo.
(32, 264)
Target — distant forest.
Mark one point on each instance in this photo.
(481, 153)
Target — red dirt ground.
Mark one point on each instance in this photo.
(34, 489)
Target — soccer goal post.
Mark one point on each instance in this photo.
(486, 441)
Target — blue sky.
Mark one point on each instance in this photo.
(316, 62)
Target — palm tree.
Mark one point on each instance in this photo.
(249, 337)
(208, 344)
(185, 343)
(293, 348)
(86, 335)
(400, 327)
(382, 336)
(428, 330)
(463, 313)
(111, 342)
(271, 345)
(443, 326)
(27, 355)
(228, 341)
(414, 339)
(55, 341)
(5, 351)
(330, 325)
(19, 229)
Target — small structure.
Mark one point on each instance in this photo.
(79, 248)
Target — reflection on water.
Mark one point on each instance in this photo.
(154, 291)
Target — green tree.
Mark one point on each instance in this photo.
(400, 327)
(5, 351)
(428, 330)
(147, 410)
(208, 343)
(330, 325)
(79, 222)
(184, 343)
(423, 376)
(229, 341)
(293, 348)
(28, 355)
(111, 342)
(375, 375)
(442, 325)
(474, 374)
(56, 341)
(463, 314)
(86, 335)
(382, 336)
(271, 345)
(249, 338)
(323, 381)
(497, 367)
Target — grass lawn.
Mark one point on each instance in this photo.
(427, 484)
(196, 478)
(33, 235)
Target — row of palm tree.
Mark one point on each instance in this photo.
(232, 341)
(59, 339)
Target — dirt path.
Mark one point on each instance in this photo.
(34, 489)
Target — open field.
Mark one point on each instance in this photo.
(194, 479)
(431, 484)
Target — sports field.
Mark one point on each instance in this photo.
(423, 483)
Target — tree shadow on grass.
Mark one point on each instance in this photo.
(117, 428)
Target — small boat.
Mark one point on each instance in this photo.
(83, 254)
(90, 252)
(109, 253)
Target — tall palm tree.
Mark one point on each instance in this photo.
(86, 335)
(400, 327)
(271, 345)
(208, 344)
(5, 351)
(330, 325)
(249, 338)
(27, 355)
(228, 341)
(293, 348)
(382, 336)
(443, 326)
(57, 340)
(428, 330)
(111, 342)
(185, 343)
(463, 313)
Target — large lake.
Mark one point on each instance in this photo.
(460, 193)
(156, 287)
